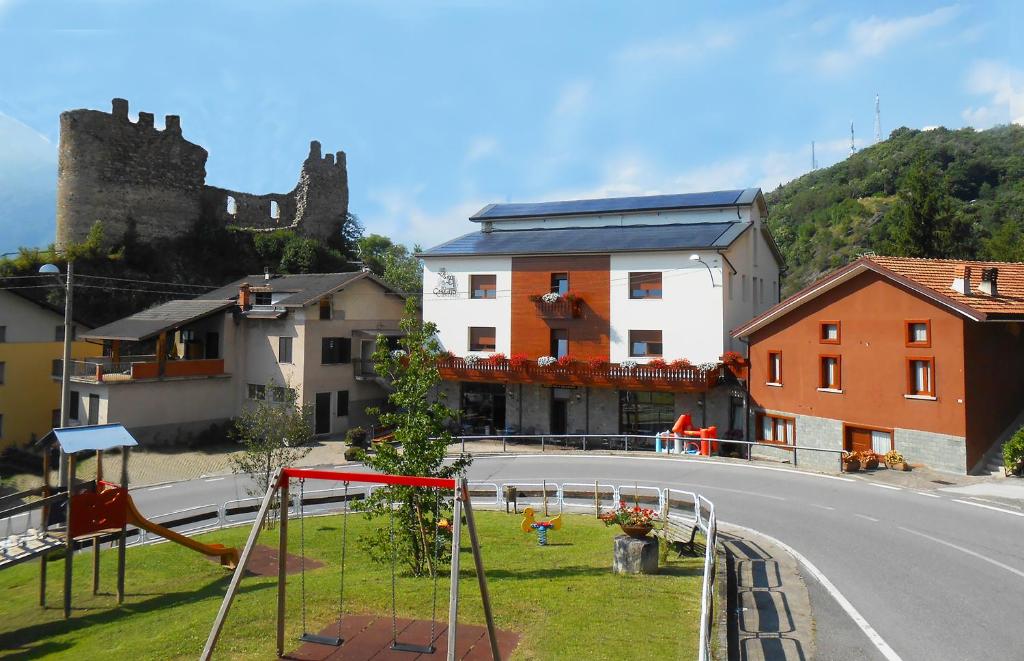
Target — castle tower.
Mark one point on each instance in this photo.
(321, 196)
(123, 173)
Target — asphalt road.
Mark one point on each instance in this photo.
(934, 577)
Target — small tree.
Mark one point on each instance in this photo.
(419, 416)
(275, 432)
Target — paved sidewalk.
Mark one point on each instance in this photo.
(769, 616)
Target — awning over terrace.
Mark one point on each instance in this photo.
(89, 438)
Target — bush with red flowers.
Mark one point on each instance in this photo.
(496, 358)
(657, 363)
(680, 363)
(731, 357)
(517, 361)
(565, 361)
(596, 363)
(625, 515)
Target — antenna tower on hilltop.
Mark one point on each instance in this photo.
(853, 150)
(814, 159)
(878, 121)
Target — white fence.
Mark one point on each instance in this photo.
(684, 506)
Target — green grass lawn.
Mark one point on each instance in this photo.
(562, 598)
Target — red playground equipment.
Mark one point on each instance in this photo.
(684, 438)
(94, 511)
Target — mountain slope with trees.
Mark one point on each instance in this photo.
(936, 193)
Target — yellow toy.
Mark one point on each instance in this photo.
(529, 524)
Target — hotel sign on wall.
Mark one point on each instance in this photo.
(446, 287)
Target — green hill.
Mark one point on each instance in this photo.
(962, 188)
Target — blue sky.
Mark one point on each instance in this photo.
(446, 106)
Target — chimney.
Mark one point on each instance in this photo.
(962, 279)
(266, 273)
(988, 281)
(244, 296)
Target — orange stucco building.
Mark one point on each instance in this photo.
(918, 355)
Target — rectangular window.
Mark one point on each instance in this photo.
(342, 403)
(1, 425)
(261, 298)
(279, 394)
(828, 332)
(645, 343)
(257, 391)
(73, 405)
(775, 367)
(560, 283)
(325, 309)
(918, 333)
(2, 370)
(776, 429)
(831, 377)
(57, 367)
(481, 338)
(881, 441)
(284, 349)
(645, 284)
(559, 342)
(3, 333)
(483, 286)
(761, 291)
(753, 283)
(335, 350)
(744, 280)
(921, 376)
(645, 412)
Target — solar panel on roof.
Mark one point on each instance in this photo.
(592, 239)
(610, 205)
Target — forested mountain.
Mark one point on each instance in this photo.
(933, 193)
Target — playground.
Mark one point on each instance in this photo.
(561, 599)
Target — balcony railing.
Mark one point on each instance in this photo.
(563, 308)
(133, 368)
(611, 375)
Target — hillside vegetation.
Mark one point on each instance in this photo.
(935, 193)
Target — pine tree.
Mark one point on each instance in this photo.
(922, 216)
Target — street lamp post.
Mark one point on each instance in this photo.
(65, 378)
(696, 258)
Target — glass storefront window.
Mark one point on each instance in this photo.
(483, 408)
(645, 413)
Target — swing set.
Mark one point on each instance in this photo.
(281, 484)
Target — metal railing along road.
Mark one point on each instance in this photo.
(631, 443)
(686, 506)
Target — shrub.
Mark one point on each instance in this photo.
(353, 454)
(596, 363)
(517, 360)
(657, 363)
(356, 437)
(546, 361)
(496, 358)
(1013, 452)
(894, 457)
(731, 357)
(680, 363)
(565, 361)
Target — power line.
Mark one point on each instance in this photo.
(148, 282)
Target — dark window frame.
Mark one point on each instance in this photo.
(908, 327)
(557, 277)
(660, 343)
(480, 330)
(930, 360)
(637, 280)
(342, 411)
(489, 290)
(823, 339)
(775, 418)
(838, 383)
(774, 376)
(335, 350)
(284, 346)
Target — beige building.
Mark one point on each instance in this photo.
(175, 370)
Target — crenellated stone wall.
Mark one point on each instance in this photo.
(126, 174)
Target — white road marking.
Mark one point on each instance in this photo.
(865, 516)
(214, 479)
(969, 552)
(166, 486)
(746, 493)
(681, 461)
(925, 493)
(824, 507)
(844, 603)
(988, 507)
(885, 486)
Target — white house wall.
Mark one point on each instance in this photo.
(456, 314)
(689, 314)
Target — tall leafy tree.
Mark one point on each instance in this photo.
(419, 416)
(921, 214)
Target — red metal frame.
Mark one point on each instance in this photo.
(403, 480)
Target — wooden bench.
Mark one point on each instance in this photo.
(679, 535)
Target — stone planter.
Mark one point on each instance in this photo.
(635, 555)
(636, 532)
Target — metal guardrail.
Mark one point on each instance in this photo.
(638, 442)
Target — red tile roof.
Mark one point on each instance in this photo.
(932, 278)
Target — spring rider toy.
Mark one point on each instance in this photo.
(529, 524)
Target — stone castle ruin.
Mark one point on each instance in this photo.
(133, 175)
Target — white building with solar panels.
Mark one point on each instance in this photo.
(606, 316)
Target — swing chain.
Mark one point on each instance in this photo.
(302, 545)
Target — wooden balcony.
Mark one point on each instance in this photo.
(563, 308)
(613, 375)
(136, 368)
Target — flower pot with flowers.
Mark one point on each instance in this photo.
(517, 361)
(635, 521)
(868, 459)
(895, 461)
(851, 462)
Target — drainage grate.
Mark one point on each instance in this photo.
(943, 482)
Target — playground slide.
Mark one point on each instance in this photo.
(228, 555)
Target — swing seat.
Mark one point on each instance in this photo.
(320, 640)
(409, 647)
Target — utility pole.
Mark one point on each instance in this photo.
(814, 159)
(878, 121)
(65, 378)
(853, 150)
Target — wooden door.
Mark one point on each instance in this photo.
(857, 439)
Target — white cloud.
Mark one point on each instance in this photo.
(1004, 86)
(678, 50)
(28, 178)
(403, 217)
(874, 36)
(479, 148)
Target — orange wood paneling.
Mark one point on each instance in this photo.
(873, 314)
(588, 278)
(995, 381)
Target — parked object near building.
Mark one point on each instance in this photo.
(600, 316)
(31, 350)
(920, 356)
(172, 371)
